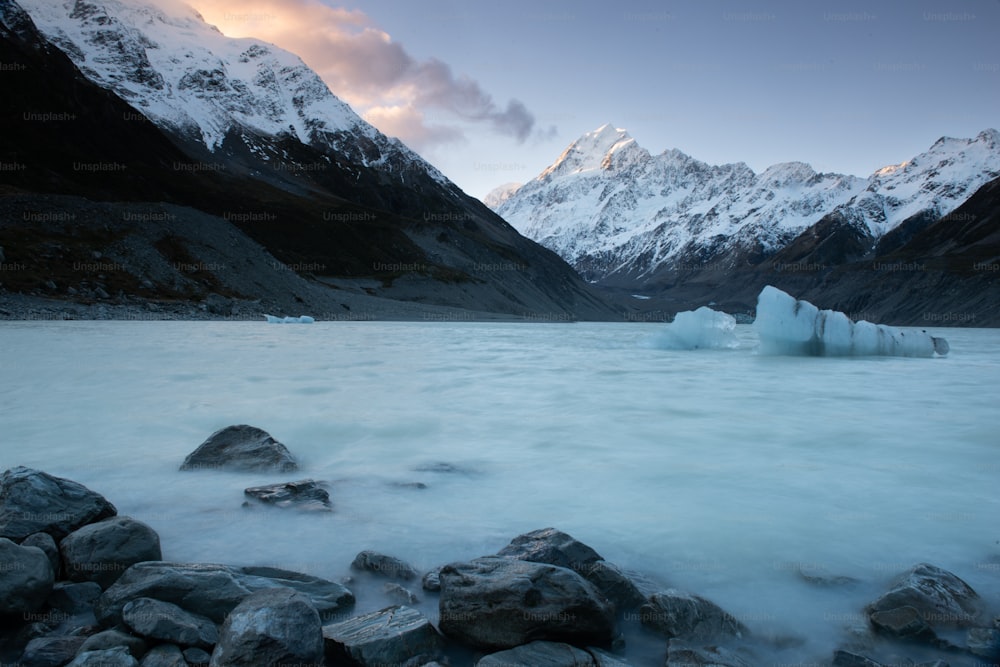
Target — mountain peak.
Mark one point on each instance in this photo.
(591, 151)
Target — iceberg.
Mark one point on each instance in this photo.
(303, 319)
(790, 326)
(699, 329)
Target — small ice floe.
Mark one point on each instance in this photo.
(302, 319)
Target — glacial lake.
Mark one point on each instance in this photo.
(722, 473)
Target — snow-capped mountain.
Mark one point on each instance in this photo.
(189, 78)
(612, 209)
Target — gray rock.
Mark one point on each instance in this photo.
(271, 627)
(614, 584)
(50, 651)
(197, 656)
(942, 599)
(307, 494)
(74, 598)
(212, 590)
(848, 659)
(112, 657)
(431, 581)
(984, 642)
(102, 551)
(499, 603)
(399, 594)
(25, 578)
(114, 638)
(902, 623)
(673, 613)
(167, 622)
(553, 547)
(46, 543)
(32, 501)
(605, 659)
(682, 654)
(386, 566)
(164, 655)
(240, 448)
(819, 576)
(540, 654)
(391, 636)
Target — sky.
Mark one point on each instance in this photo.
(492, 92)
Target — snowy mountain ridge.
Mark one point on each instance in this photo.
(189, 78)
(609, 207)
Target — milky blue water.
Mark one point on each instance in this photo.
(717, 472)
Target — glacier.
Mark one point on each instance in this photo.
(790, 326)
(699, 329)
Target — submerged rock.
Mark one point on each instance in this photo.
(498, 603)
(240, 448)
(391, 636)
(212, 590)
(386, 566)
(307, 495)
(102, 551)
(673, 613)
(32, 501)
(271, 627)
(26, 578)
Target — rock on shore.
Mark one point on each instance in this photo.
(241, 448)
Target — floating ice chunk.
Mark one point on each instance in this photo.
(789, 326)
(699, 329)
(304, 319)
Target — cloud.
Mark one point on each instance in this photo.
(365, 68)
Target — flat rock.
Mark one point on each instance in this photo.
(167, 622)
(386, 566)
(32, 501)
(271, 627)
(499, 603)
(213, 590)
(46, 543)
(26, 578)
(674, 613)
(540, 654)
(102, 551)
(942, 599)
(682, 654)
(164, 655)
(112, 657)
(240, 448)
(307, 495)
(390, 636)
(50, 651)
(114, 638)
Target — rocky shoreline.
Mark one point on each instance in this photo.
(81, 585)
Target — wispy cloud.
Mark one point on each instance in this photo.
(366, 68)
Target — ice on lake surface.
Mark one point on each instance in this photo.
(699, 330)
(717, 472)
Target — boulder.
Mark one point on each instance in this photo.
(112, 657)
(46, 543)
(74, 598)
(167, 622)
(673, 613)
(605, 659)
(942, 599)
(212, 590)
(539, 654)
(903, 622)
(553, 547)
(197, 657)
(164, 655)
(271, 627)
(614, 584)
(114, 638)
(848, 659)
(682, 654)
(50, 651)
(32, 501)
(387, 637)
(431, 582)
(26, 578)
(240, 448)
(102, 551)
(307, 495)
(499, 603)
(386, 566)
(399, 594)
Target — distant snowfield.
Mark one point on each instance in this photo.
(720, 472)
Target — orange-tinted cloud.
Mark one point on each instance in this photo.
(365, 68)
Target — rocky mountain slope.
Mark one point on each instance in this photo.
(159, 108)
